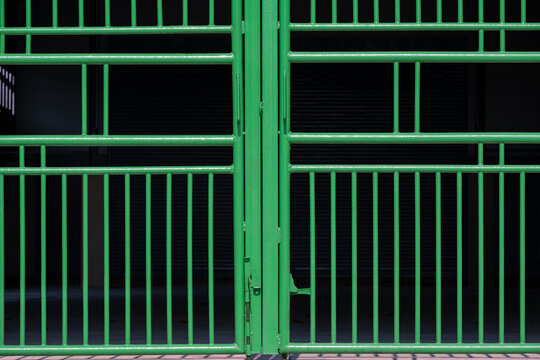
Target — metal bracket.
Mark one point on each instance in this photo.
(296, 291)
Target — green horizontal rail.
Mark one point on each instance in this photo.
(116, 59)
(119, 140)
(412, 138)
(118, 170)
(433, 57)
(415, 27)
(462, 348)
(116, 30)
(119, 349)
(413, 168)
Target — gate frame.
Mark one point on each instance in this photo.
(281, 125)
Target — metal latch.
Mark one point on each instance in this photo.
(296, 291)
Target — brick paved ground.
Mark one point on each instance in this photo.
(299, 357)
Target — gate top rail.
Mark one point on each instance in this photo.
(118, 140)
(117, 30)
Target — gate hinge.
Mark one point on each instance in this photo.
(243, 27)
(296, 291)
(279, 235)
(244, 226)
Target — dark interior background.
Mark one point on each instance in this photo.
(325, 97)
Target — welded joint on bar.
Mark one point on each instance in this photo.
(293, 290)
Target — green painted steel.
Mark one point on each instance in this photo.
(260, 63)
(89, 137)
(329, 340)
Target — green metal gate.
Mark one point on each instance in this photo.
(105, 63)
(260, 32)
(450, 20)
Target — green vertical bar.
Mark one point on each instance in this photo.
(376, 11)
(22, 234)
(417, 97)
(168, 254)
(106, 261)
(355, 11)
(252, 174)
(81, 13)
(28, 25)
(396, 257)
(107, 13)
(43, 214)
(397, 11)
(133, 12)
(480, 246)
(333, 259)
(2, 262)
(396, 97)
(522, 338)
(501, 246)
(185, 12)
(275, 174)
(160, 12)
(439, 11)
(502, 46)
(375, 258)
(148, 254)
(417, 252)
(459, 231)
(523, 11)
(313, 11)
(334, 11)
(2, 25)
(354, 260)
(438, 307)
(238, 161)
(211, 14)
(190, 256)
(64, 262)
(312, 264)
(127, 234)
(106, 99)
(54, 13)
(84, 99)
(480, 20)
(460, 11)
(211, 258)
(85, 257)
(418, 11)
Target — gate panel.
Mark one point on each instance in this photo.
(166, 176)
(390, 174)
